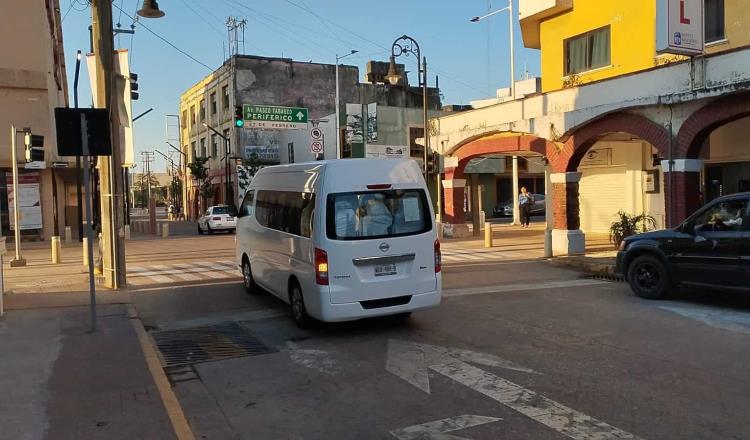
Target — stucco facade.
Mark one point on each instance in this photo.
(32, 83)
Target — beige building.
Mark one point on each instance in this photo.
(32, 83)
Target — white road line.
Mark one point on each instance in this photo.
(557, 416)
(522, 287)
(161, 279)
(186, 276)
(436, 430)
(220, 269)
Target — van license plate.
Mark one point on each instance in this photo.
(385, 269)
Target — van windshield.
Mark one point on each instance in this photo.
(377, 214)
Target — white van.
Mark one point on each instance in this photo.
(341, 240)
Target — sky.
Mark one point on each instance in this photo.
(172, 53)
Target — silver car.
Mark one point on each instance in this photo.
(218, 218)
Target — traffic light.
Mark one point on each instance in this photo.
(133, 86)
(433, 163)
(239, 118)
(34, 147)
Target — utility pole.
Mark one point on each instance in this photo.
(110, 168)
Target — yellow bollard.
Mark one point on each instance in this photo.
(68, 235)
(56, 250)
(487, 234)
(85, 252)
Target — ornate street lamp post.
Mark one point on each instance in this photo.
(406, 45)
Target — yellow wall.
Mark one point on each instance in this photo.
(632, 32)
(736, 25)
(633, 37)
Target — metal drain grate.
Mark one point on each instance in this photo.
(613, 278)
(207, 343)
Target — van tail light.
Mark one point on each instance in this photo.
(321, 267)
(216, 219)
(438, 257)
(380, 186)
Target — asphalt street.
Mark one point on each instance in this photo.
(517, 350)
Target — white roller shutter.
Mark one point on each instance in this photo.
(603, 192)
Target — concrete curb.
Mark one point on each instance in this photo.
(171, 404)
(590, 265)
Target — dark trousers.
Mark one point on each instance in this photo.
(525, 214)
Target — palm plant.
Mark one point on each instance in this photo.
(627, 225)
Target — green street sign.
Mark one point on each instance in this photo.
(271, 116)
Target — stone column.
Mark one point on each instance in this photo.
(516, 191)
(567, 237)
(684, 198)
(475, 205)
(453, 200)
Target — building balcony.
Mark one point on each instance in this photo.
(532, 12)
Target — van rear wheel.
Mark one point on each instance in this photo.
(247, 278)
(297, 306)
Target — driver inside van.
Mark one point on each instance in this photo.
(375, 219)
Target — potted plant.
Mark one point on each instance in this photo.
(627, 225)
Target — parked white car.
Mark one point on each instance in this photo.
(218, 218)
(341, 240)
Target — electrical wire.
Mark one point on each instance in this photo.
(445, 74)
(169, 43)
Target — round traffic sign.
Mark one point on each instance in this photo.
(316, 133)
(316, 146)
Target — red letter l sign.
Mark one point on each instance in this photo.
(683, 19)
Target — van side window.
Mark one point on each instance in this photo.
(286, 211)
(248, 206)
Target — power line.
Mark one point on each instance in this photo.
(376, 44)
(205, 20)
(166, 41)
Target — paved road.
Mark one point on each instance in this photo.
(517, 350)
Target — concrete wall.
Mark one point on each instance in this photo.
(553, 114)
(730, 143)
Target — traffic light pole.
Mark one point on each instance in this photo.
(19, 261)
(110, 171)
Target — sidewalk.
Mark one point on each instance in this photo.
(41, 276)
(61, 382)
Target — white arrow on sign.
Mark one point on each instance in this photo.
(300, 115)
(411, 362)
(437, 430)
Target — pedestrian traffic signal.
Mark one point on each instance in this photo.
(239, 119)
(34, 147)
(133, 86)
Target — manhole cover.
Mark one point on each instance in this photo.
(206, 343)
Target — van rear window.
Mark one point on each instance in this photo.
(377, 214)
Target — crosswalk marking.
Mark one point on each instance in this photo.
(463, 255)
(177, 272)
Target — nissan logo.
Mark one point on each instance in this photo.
(384, 247)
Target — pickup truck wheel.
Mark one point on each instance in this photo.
(648, 277)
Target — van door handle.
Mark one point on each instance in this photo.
(368, 261)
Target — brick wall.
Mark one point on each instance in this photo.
(566, 209)
(686, 196)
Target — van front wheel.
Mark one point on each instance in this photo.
(297, 306)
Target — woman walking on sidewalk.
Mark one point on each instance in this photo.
(525, 202)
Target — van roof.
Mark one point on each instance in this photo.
(356, 174)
